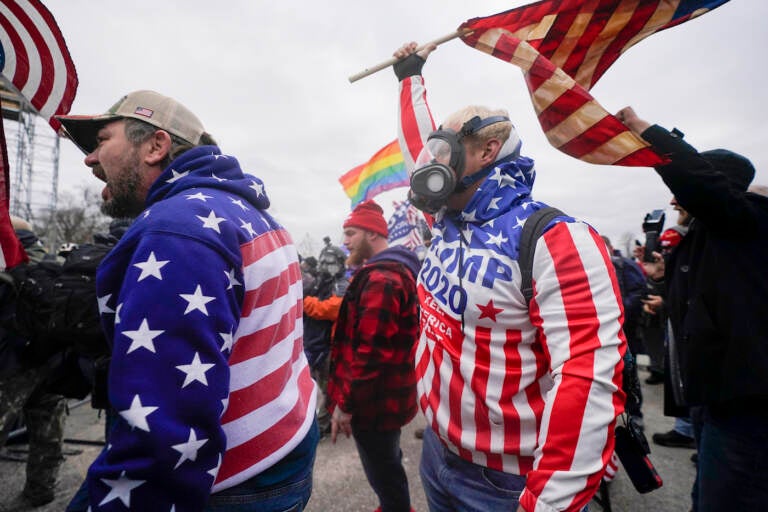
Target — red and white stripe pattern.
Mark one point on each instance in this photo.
(263, 422)
(532, 395)
(416, 122)
(563, 48)
(37, 61)
(612, 468)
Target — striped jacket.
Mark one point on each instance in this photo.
(201, 301)
(527, 389)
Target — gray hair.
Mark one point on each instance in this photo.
(137, 132)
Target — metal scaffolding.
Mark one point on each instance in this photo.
(33, 156)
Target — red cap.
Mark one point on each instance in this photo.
(369, 216)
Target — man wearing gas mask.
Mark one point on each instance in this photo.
(520, 398)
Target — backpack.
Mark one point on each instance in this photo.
(55, 305)
(532, 229)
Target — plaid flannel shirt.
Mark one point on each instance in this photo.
(372, 372)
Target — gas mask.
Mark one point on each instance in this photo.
(439, 168)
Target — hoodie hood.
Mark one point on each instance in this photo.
(507, 186)
(399, 254)
(206, 167)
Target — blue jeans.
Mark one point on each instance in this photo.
(381, 457)
(683, 426)
(732, 471)
(452, 484)
(246, 497)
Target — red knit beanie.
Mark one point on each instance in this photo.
(369, 216)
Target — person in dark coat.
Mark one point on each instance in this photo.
(717, 301)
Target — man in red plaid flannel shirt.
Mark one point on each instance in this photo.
(372, 386)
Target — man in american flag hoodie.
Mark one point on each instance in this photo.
(520, 398)
(201, 303)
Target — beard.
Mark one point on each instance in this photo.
(124, 190)
(360, 254)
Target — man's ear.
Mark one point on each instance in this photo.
(491, 149)
(158, 147)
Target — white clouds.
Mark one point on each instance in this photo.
(269, 80)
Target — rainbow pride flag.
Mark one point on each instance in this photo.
(384, 171)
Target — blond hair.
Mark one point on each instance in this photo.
(498, 131)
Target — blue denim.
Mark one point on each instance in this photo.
(285, 487)
(732, 471)
(290, 497)
(452, 484)
(382, 458)
(683, 426)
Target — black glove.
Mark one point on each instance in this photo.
(409, 66)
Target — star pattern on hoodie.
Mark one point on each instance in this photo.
(176, 176)
(196, 301)
(120, 489)
(195, 371)
(239, 203)
(103, 306)
(189, 449)
(136, 415)
(199, 196)
(151, 267)
(143, 337)
(497, 239)
(258, 187)
(175, 290)
(229, 339)
(212, 221)
(232, 279)
(488, 311)
(248, 227)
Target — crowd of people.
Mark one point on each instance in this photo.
(230, 359)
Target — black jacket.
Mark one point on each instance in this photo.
(717, 295)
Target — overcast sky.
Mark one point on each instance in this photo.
(269, 81)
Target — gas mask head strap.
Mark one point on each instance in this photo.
(471, 127)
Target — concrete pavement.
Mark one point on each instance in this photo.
(339, 482)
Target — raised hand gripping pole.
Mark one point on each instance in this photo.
(387, 63)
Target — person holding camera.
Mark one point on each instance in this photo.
(717, 294)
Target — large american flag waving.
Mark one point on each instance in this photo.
(35, 59)
(563, 48)
(34, 62)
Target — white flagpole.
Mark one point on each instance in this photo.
(387, 63)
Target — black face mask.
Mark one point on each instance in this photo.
(440, 166)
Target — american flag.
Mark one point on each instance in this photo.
(563, 48)
(37, 63)
(34, 62)
(144, 111)
(406, 225)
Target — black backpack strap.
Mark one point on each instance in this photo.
(532, 229)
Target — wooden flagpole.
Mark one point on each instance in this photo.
(378, 67)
